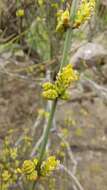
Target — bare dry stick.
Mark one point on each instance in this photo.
(73, 177)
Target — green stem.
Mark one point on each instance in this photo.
(68, 35)
(44, 143)
(63, 62)
(65, 50)
(33, 185)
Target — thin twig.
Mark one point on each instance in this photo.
(38, 143)
(72, 159)
(73, 177)
(33, 128)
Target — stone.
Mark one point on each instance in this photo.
(89, 55)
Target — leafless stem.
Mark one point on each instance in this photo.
(71, 156)
(73, 177)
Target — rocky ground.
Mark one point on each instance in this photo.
(85, 115)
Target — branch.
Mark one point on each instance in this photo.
(69, 153)
(38, 143)
(73, 177)
(33, 128)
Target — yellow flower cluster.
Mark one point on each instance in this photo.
(40, 2)
(84, 12)
(10, 152)
(13, 153)
(64, 78)
(49, 166)
(43, 113)
(50, 91)
(29, 168)
(9, 163)
(55, 5)
(62, 20)
(6, 175)
(20, 13)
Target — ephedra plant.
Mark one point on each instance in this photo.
(72, 17)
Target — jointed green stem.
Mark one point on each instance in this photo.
(63, 63)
